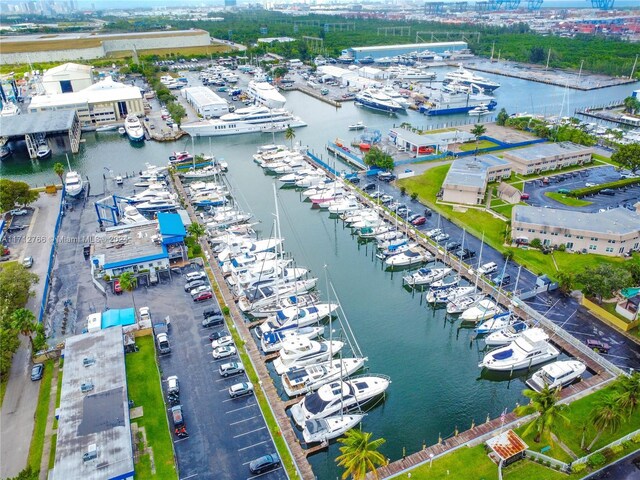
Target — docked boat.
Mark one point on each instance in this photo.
(325, 429)
(426, 276)
(376, 100)
(415, 74)
(243, 245)
(269, 309)
(347, 204)
(468, 78)
(253, 119)
(479, 111)
(300, 352)
(263, 296)
(153, 172)
(202, 173)
(274, 341)
(243, 261)
(483, 310)
(530, 349)
(300, 380)
(73, 184)
(5, 152)
(357, 126)
(452, 103)
(107, 128)
(122, 130)
(296, 317)
(556, 375)
(158, 205)
(339, 396)
(496, 323)
(446, 283)
(461, 304)
(413, 256)
(282, 276)
(265, 94)
(134, 128)
(210, 199)
(43, 151)
(131, 215)
(506, 335)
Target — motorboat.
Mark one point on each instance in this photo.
(461, 304)
(211, 199)
(456, 102)
(413, 256)
(243, 261)
(299, 301)
(328, 195)
(131, 215)
(202, 173)
(556, 375)
(122, 131)
(479, 111)
(460, 292)
(296, 317)
(446, 283)
(158, 205)
(43, 150)
(153, 192)
(310, 180)
(396, 249)
(134, 128)
(73, 184)
(506, 335)
(180, 157)
(468, 78)
(357, 126)
(483, 310)
(281, 276)
(301, 351)
(226, 219)
(426, 276)
(530, 349)
(339, 396)
(153, 171)
(374, 230)
(377, 100)
(5, 152)
(107, 128)
(274, 341)
(262, 296)
(348, 204)
(300, 380)
(496, 323)
(325, 429)
(265, 94)
(244, 245)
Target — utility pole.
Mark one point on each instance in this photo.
(548, 58)
(633, 69)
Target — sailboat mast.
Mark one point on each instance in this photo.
(479, 260)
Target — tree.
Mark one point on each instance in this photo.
(58, 169)
(24, 321)
(545, 403)
(536, 54)
(565, 281)
(377, 158)
(196, 230)
(603, 280)
(10, 343)
(502, 117)
(290, 134)
(15, 288)
(629, 392)
(176, 111)
(631, 105)
(477, 131)
(606, 416)
(360, 454)
(634, 270)
(12, 193)
(628, 156)
(128, 283)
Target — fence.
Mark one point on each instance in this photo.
(612, 444)
(542, 458)
(346, 155)
(52, 253)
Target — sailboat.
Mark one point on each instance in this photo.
(73, 183)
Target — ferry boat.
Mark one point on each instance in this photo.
(466, 77)
(451, 103)
(134, 129)
(73, 184)
(376, 100)
(253, 119)
(265, 94)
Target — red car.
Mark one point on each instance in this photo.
(598, 345)
(117, 288)
(419, 221)
(203, 296)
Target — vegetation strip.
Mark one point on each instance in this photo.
(42, 413)
(624, 182)
(565, 200)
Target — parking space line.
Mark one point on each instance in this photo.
(250, 431)
(254, 445)
(180, 440)
(232, 398)
(190, 476)
(245, 420)
(265, 473)
(241, 408)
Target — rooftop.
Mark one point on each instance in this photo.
(37, 122)
(128, 244)
(618, 221)
(204, 96)
(103, 91)
(171, 224)
(507, 444)
(472, 172)
(440, 138)
(411, 46)
(68, 68)
(118, 317)
(544, 150)
(98, 417)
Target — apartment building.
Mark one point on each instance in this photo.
(466, 181)
(543, 157)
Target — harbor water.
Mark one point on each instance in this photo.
(436, 383)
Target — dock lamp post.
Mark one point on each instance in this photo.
(430, 460)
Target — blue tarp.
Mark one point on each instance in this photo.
(171, 224)
(122, 317)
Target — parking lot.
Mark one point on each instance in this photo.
(625, 197)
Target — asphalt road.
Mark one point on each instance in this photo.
(628, 468)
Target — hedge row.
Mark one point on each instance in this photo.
(582, 192)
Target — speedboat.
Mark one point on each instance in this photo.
(556, 375)
(357, 126)
(243, 245)
(242, 261)
(325, 429)
(460, 304)
(131, 215)
(73, 184)
(483, 310)
(348, 204)
(426, 276)
(296, 317)
(506, 335)
(498, 322)
(480, 110)
(180, 157)
(301, 380)
(274, 341)
(530, 349)
(5, 152)
(412, 256)
(134, 128)
(301, 351)
(339, 396)
(43, 150)
(122, 130)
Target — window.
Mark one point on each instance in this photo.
(609, 250)
(592, 247)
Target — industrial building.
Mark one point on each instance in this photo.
(422, 144)
(102, 103)
(207, 103)
(466, 181)
(612, 232)
(67, 78)
(442, 49)
(543, 157)
(94, 431)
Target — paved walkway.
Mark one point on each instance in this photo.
(49, 430)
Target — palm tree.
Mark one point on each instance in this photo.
(607, 415)
(58, 168)
(290, 134)
(629, 393)
(477, 131)
(545, 403)
(196, 230)
(128, 283)
(360, 455)
(24, 321)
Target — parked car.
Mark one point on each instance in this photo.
(487, 268)
(191, 276)
(386, 176)
(420, 220)
(199, 290)
(264, 463)
(450, 246)
(117, 288)
(608, 191)
(36, 371)
(524, 196)
(202, 296)
(240, 389)
(27, 262)
(427, 212)
(216, 335)
(375, 195)
(222, 341)
(434, 232)
(194, 284)
(223, 352)
(16, 228)
(502, 279)
(18, 212)
(564, 191)
(598, 345)
(211, 312)
(213, 321)
(442, 237)
(386, 198)
(369, 186)
(411, 218)
(355, 180)
(465, 253)
(231, 368)
(172, 384)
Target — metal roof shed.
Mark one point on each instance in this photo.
(508, 446)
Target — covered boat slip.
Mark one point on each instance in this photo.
(34, 128)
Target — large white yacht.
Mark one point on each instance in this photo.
(134, 128)
(301, 351)
(557, 374)
(252, 119)
(301, 380)
(466, 77)
(265, 94)
(377, 100)
(530, 349)
(73, 184)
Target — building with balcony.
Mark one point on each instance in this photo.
(466, 181)
(543, 157)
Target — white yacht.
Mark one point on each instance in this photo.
(131, 215)
(274, 341)
(299, 301)
(296, 316)
(357, 126)
(134, 128)
(377, 100)
(242, 261)
(325, 429)
(496, 323)
(263, 296)
(483, 310)
(530, 349)
(265, 94)
(557, 374)
(73, 184)
(253, 119)
(461, 304)
(347, 204)
(160, 204)
(43, 150)
(301, 380)
(479, 111)
(466, 77)
(412, 256)
(395, 96)
(302, 351)
(339, 396)
(244, 245)
(506, 335)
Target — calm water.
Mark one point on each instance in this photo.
(436, 384)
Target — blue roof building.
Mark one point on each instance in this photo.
(171, 228)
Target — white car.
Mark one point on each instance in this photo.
(27, 262)
(590, 184)
(487, 268)
(200, 289)
(240, 389)
(144, 313)
(222, 341)
(433, 233)
(18, 212)
(223, 352)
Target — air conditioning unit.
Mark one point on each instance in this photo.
(91, 453)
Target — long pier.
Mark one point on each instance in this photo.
(317, 95)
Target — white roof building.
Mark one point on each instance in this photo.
(66, 78)
(205, 101)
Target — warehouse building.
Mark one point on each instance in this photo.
(94, 431)
(441, 49)
(543, 157)
(67, 78)
(102, 103)
(466, 181)
(612, 232)
(205, 102)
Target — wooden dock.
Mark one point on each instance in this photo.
(317, 95)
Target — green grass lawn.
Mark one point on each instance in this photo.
(143, 382)
(504, 209)
(570, 201)
(42, 412)
(471, 146)
(52, 451)
(3, 387)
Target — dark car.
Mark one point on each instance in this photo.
(598, 345)
(418, 221)
(369, 186)
(386, 176)
(211, 312)
(202, 296)
(450, 246)
(37, 371)
(355, 180)
(217, 335)
(264, 463)
(465, 253)
(427, 212)
(213, 321)
(502, 279)
(608, 191)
